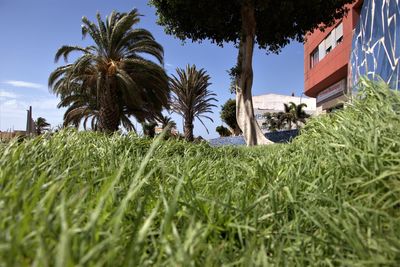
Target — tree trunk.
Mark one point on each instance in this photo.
(109, 110)
(188, 129)
(244, 102)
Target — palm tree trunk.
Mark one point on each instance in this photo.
(244, 102)
(188, 129)
(109, 110)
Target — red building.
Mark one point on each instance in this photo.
(326, 61)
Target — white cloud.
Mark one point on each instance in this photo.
(45, 104)
(13, 111)
(6, 94)
(10, 103)
(24, 84)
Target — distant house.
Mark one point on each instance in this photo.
(158, 130)
(274, 103)
(6, 136)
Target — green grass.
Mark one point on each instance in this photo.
(331, 198)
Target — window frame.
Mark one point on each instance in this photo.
(314, 57)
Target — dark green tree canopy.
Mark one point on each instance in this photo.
(223, 131)
(228, 113)
(278, 21)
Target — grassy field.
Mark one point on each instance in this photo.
(330, 198)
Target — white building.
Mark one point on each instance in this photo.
(274, 103)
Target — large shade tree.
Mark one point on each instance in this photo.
(114, 75)
(191, 97)
(271, 24)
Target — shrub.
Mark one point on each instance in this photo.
(228, 115)
(223, 131)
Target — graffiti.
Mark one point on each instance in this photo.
(376, 41)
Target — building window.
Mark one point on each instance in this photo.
(329, 44)
(322, 51)
(334, 38)
(314, 57)
(339, 33)
(329, 49)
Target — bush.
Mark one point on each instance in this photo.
(228, 115)
(331, 197)
(149, 129)
(223, 131)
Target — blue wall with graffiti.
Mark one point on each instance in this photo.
(376, 43)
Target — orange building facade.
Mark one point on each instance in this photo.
(326, 61)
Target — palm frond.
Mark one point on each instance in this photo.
(65, 50)
(123, 24)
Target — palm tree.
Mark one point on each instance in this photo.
(113, 75)
(287, 117)
(301, 115)
(274, 121)
(191, 97)
(294, 114)
(41, 125)
(167, 124)
(166, 121)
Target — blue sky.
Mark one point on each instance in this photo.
(33, 30)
